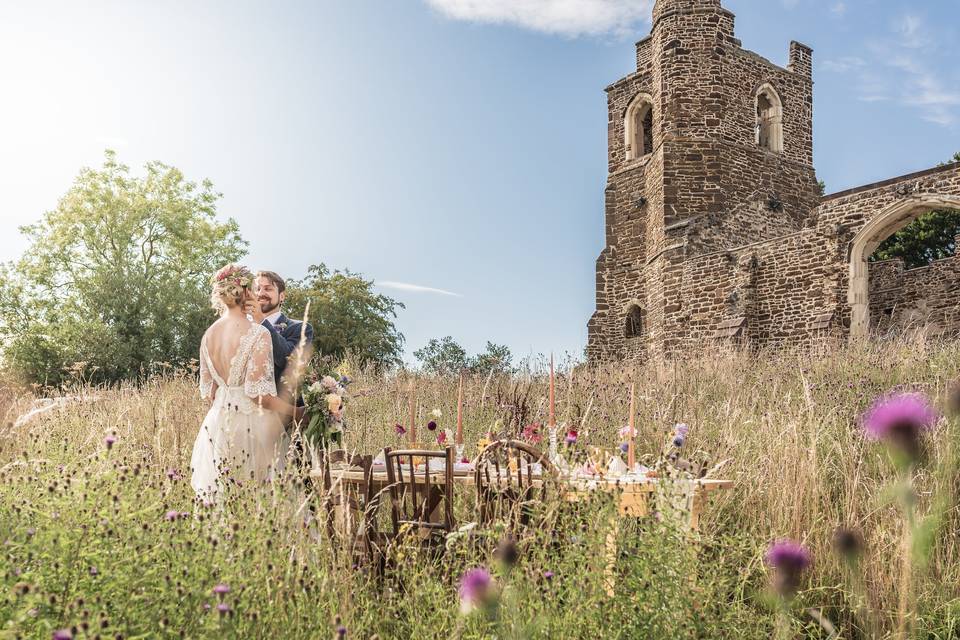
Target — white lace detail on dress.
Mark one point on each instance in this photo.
(259, 377)
(206, 379)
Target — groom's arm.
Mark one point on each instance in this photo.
(284, 343)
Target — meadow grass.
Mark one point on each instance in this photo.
(90, 543)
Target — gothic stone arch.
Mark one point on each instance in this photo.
(865, 242)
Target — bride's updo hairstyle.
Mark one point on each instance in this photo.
(229, 286)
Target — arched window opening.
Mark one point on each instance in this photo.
(634, 322)
(769, 120)
(638, 127)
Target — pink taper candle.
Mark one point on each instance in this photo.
(551, 419)
(413, 412)
(631, 450)
(459, 437)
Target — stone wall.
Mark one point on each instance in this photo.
(926, 297)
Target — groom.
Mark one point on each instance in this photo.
(284, 332)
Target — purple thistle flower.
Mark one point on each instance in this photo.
(173, 474)
(900, 419)
(399, 428)
(548, 575)
(110, 440)
(221, 589)
(789, 559)
(432, 425)
(571, 438)
(341, 631)
(624, 447)
(223, 608)
(93, 571)
(475, 588)
(171, 516)
(678, 441)
(62, 634)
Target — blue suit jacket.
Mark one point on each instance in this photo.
(285, 337)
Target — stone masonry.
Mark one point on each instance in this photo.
(715, 227)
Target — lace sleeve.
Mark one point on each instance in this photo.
(206, 380)
(258, 378)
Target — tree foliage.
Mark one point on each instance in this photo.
(347, 316)
(446, 357)
(116, 276)
(442, 357)
(930, 237)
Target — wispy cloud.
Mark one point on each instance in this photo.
(564, 17)
(839, 9)
(843, 64)
(415, 288)
(912, 54)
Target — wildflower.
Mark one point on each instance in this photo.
(62, 634)
(475, 589)
(110, 440)
(173, 474)
(681, 429)
(436, 414)
(678, 440)
(221, 590)
(223, 608)
(341, 631)
(624, 447)
(571, 438)
(506, 552)
(329, 382)
(789, 559)
(441, 438)
(954, 399)
(548, 575)
(399, 429)
(848, 543)
(531, 433)
(93, 571)
(345, 380)
(171, 516)
(900, 419)
(432, 425)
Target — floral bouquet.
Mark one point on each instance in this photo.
(325, 397)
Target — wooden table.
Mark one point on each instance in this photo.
(634, 496)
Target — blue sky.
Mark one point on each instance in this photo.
(451, 150)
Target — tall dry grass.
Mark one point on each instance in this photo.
(782, 425)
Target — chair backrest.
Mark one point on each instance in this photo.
(340, 456)
(508, 478)
(416, 489)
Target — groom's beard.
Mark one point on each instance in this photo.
(267, 308)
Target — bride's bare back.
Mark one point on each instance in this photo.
(222, 341)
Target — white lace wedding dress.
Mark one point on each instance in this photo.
(238, 436)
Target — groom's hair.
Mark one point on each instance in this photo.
(275, 278)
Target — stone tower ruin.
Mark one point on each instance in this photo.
(715, 226)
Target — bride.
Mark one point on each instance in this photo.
(243, 431)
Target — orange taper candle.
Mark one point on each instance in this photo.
(459, 437)
(413, 412)
(551, 419)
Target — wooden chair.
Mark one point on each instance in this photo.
(506, 485)
(355, 501)
(414, 496)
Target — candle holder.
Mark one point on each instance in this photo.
(459, 449)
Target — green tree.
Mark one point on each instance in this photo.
(442, 357)
(347, 316)
(930, 237)
(496, 358)
(116, 276)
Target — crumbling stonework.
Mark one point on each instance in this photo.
(717, 231)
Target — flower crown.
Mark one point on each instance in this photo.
(230, 279)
